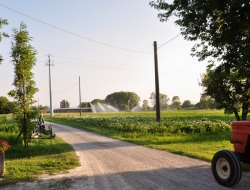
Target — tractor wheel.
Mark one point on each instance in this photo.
(226, 168)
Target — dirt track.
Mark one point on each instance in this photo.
(110, 164)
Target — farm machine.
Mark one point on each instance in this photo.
(226, 165)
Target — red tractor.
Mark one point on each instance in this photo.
(226, 166)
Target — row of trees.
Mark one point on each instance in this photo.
(126, 101)
(205, 102)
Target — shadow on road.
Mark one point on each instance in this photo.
(191, 178)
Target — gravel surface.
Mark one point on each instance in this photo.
(111, 164)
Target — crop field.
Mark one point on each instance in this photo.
(193, 133)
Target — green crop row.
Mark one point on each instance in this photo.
(148, 125)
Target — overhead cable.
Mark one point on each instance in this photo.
(66, 89)
(169, 41)
(74, 34)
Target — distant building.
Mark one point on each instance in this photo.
(71, 110)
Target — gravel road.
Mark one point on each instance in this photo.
(111, 164)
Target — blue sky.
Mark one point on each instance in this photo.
(127, 24)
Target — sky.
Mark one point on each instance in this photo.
(109, 44)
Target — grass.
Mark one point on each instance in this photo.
(43, 156)
(201, 146)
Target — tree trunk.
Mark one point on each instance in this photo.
(19, 135)
(237, 117)
(245, 108)
(25, 130)
(2, 156)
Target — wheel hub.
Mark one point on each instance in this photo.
(223, 168)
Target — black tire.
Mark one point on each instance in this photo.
(226, 168)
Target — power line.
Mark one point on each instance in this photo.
(66, 89)
(74, 34)
(169, 41)
(82, 62)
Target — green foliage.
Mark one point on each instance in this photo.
(163, 100)
(64, 104)
(145, 106)
(206, 102)
(85, 105)
(232, 90)
(186, 104)
(222, 32)
(123, 100)
(176, 104)
(2, 34)
(40, 108)
(6, 106)
(23, 58)
(173, 124)
(8, 128)
(95, 101)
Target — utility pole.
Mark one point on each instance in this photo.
(157, 90)
(80, 105)
(50, 93)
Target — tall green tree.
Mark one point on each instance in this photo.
(206, 102)
(64, 104)
(145, 106)
(124, 101)
(6, 106)
(84, 105)
(186, 104)
(176, 103)
(2, 34)
(163, 100)
(96, 101)
(222, 34)
(23, 58)
(230, 90)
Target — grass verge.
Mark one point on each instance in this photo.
(43, 156)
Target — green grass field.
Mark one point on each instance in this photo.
(177, 132)
(43, 156)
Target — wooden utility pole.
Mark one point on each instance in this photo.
(157, 90)
(80, 100)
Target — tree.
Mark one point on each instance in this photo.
(2, 34)
(84, 105)
(64, 104)
(96, 101)
(6, 106)
(23, 58)
(41, 108)
(163, 100)
(186, 104)
(206, 102)
(124, 101)
(222, 32)
(176, 102)
(231, 91)
(145, 106)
